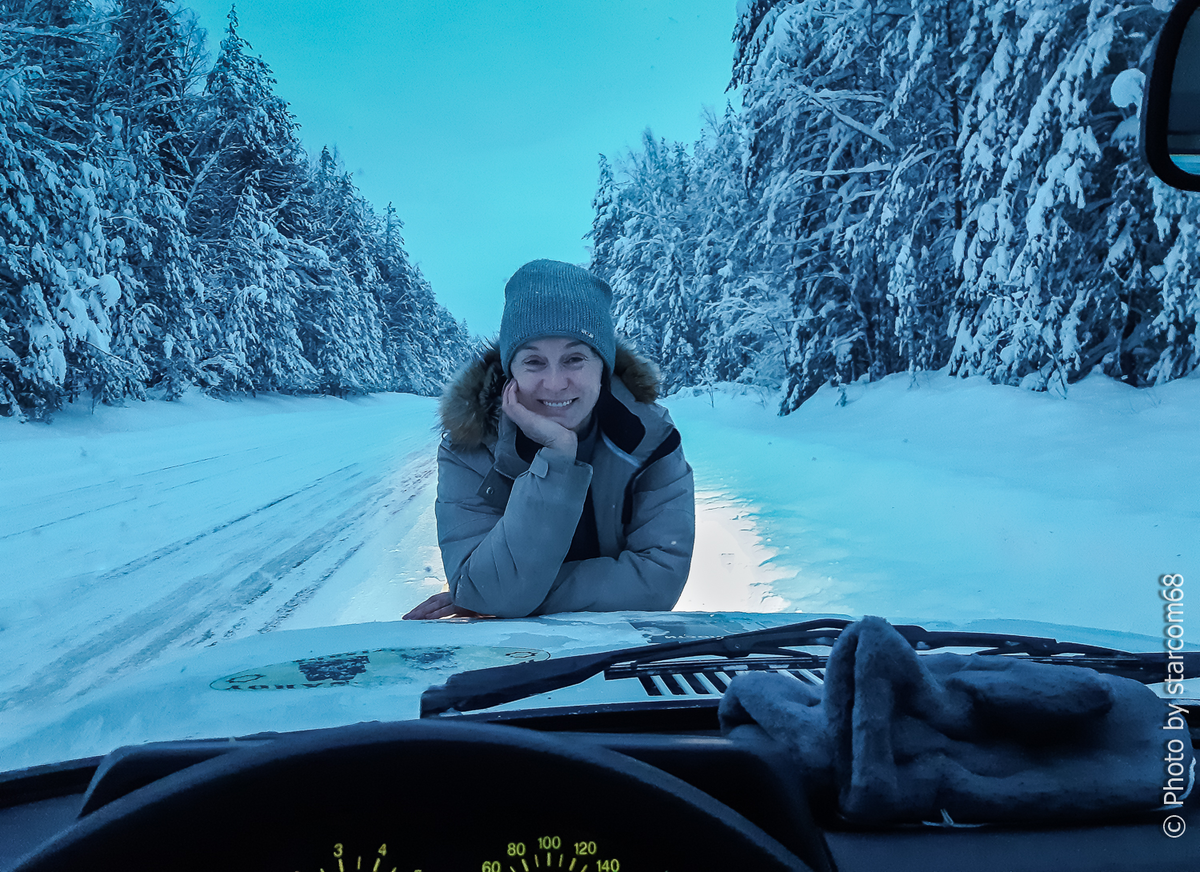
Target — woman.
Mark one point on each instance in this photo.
(561, 485)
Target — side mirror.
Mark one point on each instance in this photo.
(1171, 104)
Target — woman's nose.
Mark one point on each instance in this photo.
(556, 377)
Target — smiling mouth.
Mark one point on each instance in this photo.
(557, 405)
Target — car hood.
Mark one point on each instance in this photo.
(330, 676)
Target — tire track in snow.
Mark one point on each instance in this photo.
(419, 474)
(74, 496)
(310, 533)
(179, 545)
(190, 604)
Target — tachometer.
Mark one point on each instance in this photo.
(345, 859)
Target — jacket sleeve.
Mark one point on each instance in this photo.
(650, 573)
(504, 562)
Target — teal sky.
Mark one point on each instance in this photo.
(482, 122)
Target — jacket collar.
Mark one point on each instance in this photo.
(619, 424)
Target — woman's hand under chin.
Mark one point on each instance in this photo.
(540, 429)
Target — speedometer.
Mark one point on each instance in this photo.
(550, 852)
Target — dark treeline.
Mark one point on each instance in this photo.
(161, 226)
(911, 185)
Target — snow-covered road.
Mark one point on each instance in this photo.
(135, 533)
(197, 524)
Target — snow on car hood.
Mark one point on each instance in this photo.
(330, 676)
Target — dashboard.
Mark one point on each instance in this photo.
(462, 794)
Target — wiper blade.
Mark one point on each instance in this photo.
(484, 688)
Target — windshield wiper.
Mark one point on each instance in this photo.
(483, 688)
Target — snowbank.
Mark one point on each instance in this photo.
(936, 498)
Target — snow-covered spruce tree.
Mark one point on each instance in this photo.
(919, 208)
(423, 346)
(397, 303)
(146, 87)
(651, 265)
(673, 288)
(669, 237)
(449, 343)
(147, 84)
(260, 319)
(245, 138)
(426, 342)
(31, 371)
(1145, 225)
(849, 108)
(809, 172)
(57, 287)
(32, 364)
(343, 333)
(1172, 343)
(249, 211)
(745, 315)
(1154, 265)
(1060, 266)
(608, 223)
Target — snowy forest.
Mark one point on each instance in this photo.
(911, 185)
(162, 227)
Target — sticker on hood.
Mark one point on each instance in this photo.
(374, 667)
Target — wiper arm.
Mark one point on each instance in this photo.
(483, 688)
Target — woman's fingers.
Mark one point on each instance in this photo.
(431, 608)
(440, 605)
(512, 407)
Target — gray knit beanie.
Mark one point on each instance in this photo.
(550, 298)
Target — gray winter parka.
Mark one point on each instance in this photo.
(507, 511)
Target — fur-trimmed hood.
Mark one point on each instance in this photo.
(470, 404)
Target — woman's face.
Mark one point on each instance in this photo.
(559, 379)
